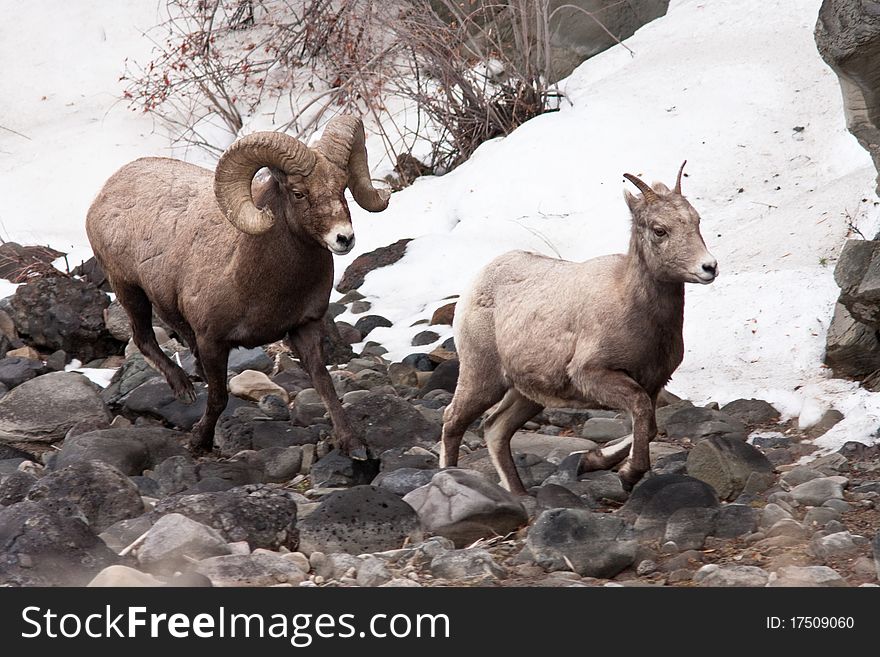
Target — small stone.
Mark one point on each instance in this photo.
(424, 338)
(838, 544)
(646, 567)
(259, 569)
(819, 516)
(602, 429)
(787, 527)
(730, 575)
(373, 572)
(817, 491)
(735, 520)
(175, 539)
(841, 506)
(806, 576)
(123, 576)
(465, 564)
(752, 412)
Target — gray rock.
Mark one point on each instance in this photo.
(554, 496)
(235, 473)
(337, 470)
(385, 421)
(135, 372)
(567, 418)
(735, 520)
(45, 408)
(358, 520)
(728, 464)
(603, 429)
(836, 545)
(752, 412)
(404, 480)
(130, 450)
(335, 565)
(876, 550)
(819, 516)
(810, 576)
(603, 485)
(464, 505)
(372, 571)
(444, 377)
(787, 527)
(424, 337)
(533, 470)
(367, 323)
(698, 423)
(800, 474)
(48, 545)
(14, 371)
(241, 359)
(8, 452)
(279, 464)
(264, 517)
(817, 491)
(852, 349)
(829, 419)
(457, 565)
(730, 575)
(592, 544)
(847, 36)
(123, 576)
(655, 499)
(689, 527)
(841, 506)
(773, 513)
(60, 312)
(120, 535)
(15, 487)
(175, 474)
(174, 540)
(155, 398)
(259, 569)
(101, 492)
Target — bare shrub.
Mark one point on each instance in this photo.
(470, 71)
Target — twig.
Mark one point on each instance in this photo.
(15, 132)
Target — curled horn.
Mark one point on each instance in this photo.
(677, 189)
(649, 194)
(237, 167)
(343, 144)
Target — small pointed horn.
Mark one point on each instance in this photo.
(677, 189)
(649, 194)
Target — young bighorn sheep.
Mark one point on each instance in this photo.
(536, 332)
(227, 262)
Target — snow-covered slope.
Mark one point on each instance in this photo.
(721, 84)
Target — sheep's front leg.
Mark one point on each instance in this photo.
(214, 359)
(615, 389)
(306, 341)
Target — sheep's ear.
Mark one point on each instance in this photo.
(632, 202)
(660, 188)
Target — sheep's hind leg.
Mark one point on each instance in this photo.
(140, 314)
(306, 341)
(214, 361)
(513, 411)
(614, 389)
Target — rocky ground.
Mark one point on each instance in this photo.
(96, 485)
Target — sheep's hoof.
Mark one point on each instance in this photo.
(629, 477)
(184, 392)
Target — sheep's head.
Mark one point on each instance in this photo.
(666, 233)
(313, 182)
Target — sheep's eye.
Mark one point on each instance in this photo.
(659, 232)
(298, 195)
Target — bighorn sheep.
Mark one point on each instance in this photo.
(227, 262)
(536, 332)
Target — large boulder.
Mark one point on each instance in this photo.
(355, 273)
(591, 544)
(386, 421)
(48, 545)
(264, 517)
(174, 540)
(131, 449)
(102, 493)
(848, 37)
(464, 505)
(58, 312)
(45, 408)
(358, 520)
(656, 499)
(730, 466)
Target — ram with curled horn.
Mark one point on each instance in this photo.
(229, 262)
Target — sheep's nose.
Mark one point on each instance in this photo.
(711, 268)
(344, 240)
